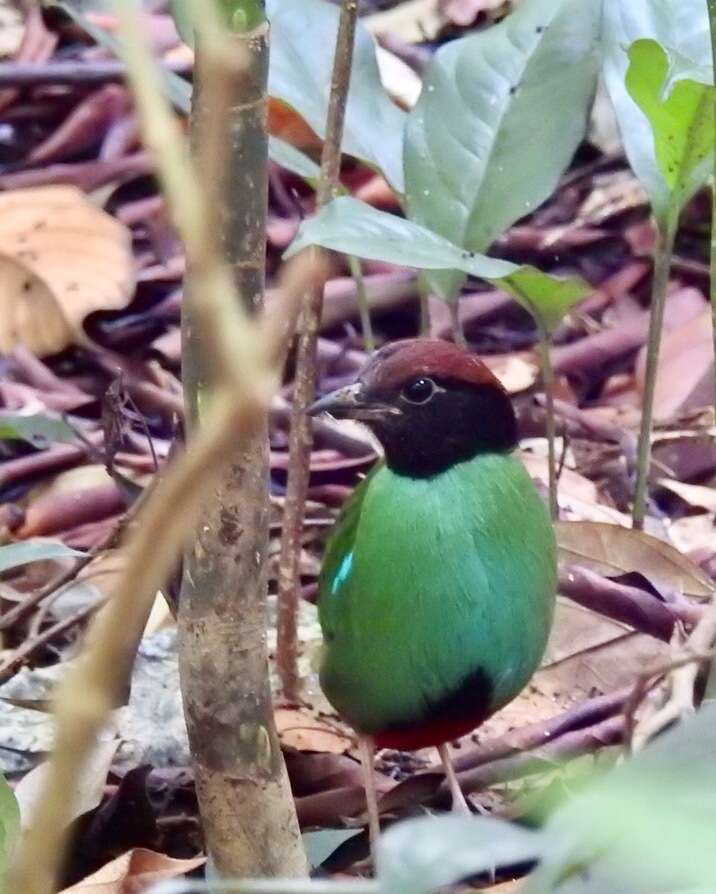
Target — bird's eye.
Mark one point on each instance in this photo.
(419, 391)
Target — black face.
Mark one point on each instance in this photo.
(428, 424)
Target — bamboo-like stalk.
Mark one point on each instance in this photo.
(548, 382)
(243, 385)
(458, 334)
(247, 810)
(712, 282)
(666, 230)
(301, 436)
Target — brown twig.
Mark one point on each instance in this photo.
(82, 72)
(301, 437)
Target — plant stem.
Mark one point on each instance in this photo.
(247, 810)
(456, 325)
(548, 383)
(424, 296)
(356, 269)
(301, 436)
(243, 388)
(712, 281)
(666, 233)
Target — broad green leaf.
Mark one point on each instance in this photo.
(682, 122)
(428, 854)
(498, 120)
(293, 160)
(683, 27)
(303, 37)
(15, 554)
(646, 826)
(352, 227)
(9, 823)
(36, 430)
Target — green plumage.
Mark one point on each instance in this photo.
(427, 579)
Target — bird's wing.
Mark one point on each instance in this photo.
(339, 550)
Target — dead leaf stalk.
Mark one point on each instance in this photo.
(301, 436)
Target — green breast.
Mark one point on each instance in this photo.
(426, 581)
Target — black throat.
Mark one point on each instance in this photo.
(459, 423)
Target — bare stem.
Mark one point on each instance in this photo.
(356, 269)
(712, 287)
(666, 228)
(548, 382)
(424, 298)
(457, 331)
(301, 437)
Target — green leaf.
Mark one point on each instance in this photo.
(498, 122)
(683, 27)
(303, 37)
(9, 823)
(352, 227)
(293, 160)
(37, 430)
(682, 121)
(15, 554)
(647, 826)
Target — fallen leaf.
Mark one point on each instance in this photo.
(464, 12)
(693, 494)
(684, 380)
(88, 792)
(301, 729)
(12, 28)
(693, 532)
(611, 549)
(134, 873)
(61, 258)
(398, 78)
(414, 21)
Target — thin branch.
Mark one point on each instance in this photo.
(301, 436)
(548, 382)
(356, 269)
(662, 263)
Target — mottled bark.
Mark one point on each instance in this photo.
(246, 805)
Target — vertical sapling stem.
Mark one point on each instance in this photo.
(666, 233)
(551, 427)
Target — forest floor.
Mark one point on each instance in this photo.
(102, 352)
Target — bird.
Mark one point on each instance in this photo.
(437, 588)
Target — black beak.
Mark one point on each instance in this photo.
(350, 403)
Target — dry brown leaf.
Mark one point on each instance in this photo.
(398, 78)
(611, 549)
(413, 21)
(61, 258)
(693, 532)
(134, 873)
(684, 380)
(516, 372)
(299, 728)
(90, 784)
(464, 12)
(12, 28)
(694, 494)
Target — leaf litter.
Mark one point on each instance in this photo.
(104, 316)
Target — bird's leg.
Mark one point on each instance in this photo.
(459, 804)
(367, 753)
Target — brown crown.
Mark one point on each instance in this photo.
(400, 361)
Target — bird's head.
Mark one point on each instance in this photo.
(429, 403)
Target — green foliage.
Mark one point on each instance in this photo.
(13, 555)
(37, 430)
(303, 37)
(353, 227)
(242, 15)
(681, 119)
(498, 121)
(683, 28)
(9, 824)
